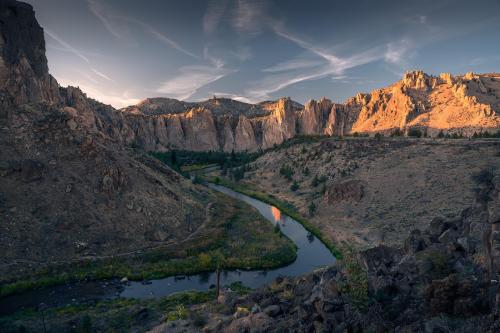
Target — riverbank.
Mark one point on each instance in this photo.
(113, 315)
(221, 235)
(286, 208)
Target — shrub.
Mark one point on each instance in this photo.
(379, 136)
(396, 132)
(356, 282)
(286, 171)
(199, 320)
(311, 209)
(295, 186)
(415, 133)
(483, 177)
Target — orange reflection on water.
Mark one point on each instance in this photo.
(276, 213)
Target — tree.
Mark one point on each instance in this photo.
(312, 209)
(295, 186)
(286, 171)
(315, 182)
(173, 157)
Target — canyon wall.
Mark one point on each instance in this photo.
(462, 104)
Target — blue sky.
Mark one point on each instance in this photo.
(122, 51)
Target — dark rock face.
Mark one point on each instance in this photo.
(351, 190)
(69, 185)
(22, 36)
(23, 65)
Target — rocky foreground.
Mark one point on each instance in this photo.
(444, 279)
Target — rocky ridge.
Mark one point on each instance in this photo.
(60, 152)
(463, 104)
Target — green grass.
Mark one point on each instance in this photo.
(237, 232)
(196, 167)
(286, 208)
(118, 315)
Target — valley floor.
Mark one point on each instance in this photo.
(363, 191)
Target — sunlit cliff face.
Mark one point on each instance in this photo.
(276, 213)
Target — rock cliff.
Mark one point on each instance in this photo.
(463, 104)
(69, 187)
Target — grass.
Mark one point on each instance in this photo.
(196, 167)
(236, 231)
(286, 208)
(118, 315)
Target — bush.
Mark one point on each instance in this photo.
(311, 209)
(396, 132)
(379, 136)
(415, 133)
(295, 186)
(199, 320)
(286, 171)
(483, 177)
(356, 283)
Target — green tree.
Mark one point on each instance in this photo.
(312, 209)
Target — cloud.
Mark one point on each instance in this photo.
(164, 39)
(243, 53)
(213, 15)
(104, 76)
(106, 17)
(68, 48)
(397, 51)
(285, 74)
(191, 79)
(293, 65)
(248, 17)
(118, 25)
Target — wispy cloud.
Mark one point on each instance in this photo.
(248, 16)
(293, 64)
(67, 47)
(398, 52)
(213, 15)
(190, 79)
(292, 71)
(164, 39)
(106, 17)
(98, 73)
(118, 25)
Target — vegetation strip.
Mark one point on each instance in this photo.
(199, 255)
(285, 208)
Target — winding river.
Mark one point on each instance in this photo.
(311, 254)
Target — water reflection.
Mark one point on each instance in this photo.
(276, 214)
(310, 237)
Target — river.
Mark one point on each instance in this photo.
(311, 254)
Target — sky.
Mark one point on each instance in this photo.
(122, 51)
